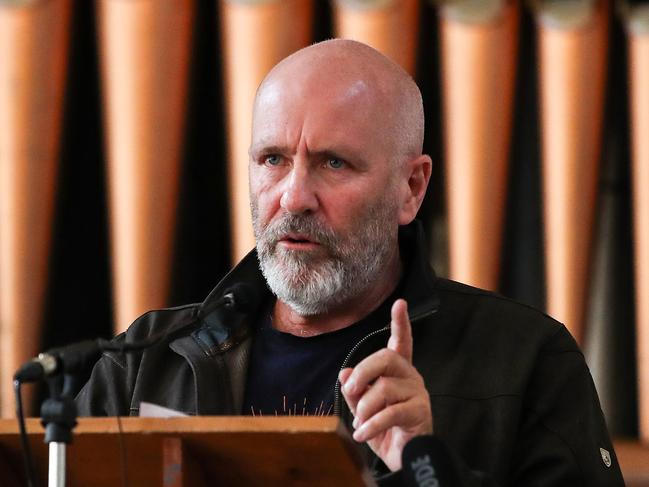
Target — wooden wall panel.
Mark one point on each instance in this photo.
(478, 74)
(572, 42)
(390, 26)
(638, 29)
(33, 64)
(255, 36)
(145, 48)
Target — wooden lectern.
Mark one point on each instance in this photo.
(194, 451)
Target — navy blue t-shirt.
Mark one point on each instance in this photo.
(292, 375)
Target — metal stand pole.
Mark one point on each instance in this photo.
(59, 417)
(56, 472)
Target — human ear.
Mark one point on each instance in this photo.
(417, 176)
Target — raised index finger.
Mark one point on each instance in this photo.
(400, 330)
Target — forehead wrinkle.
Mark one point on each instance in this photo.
(277, 141)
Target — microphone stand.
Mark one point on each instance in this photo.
(59, 412)
(59, 417)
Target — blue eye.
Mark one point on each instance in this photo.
(272, 159)
(335, 163)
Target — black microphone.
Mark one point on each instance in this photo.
(426, 462)
(239, 297)
(69, 359)
(73, 358)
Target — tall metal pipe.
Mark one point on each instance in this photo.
(572, 42)
(255, 35)
(145, 50)
(34, 45)
(479, 49)
(390, 26)
(638, 40)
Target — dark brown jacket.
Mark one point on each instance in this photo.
(512, 398)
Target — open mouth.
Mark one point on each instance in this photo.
(298, 241)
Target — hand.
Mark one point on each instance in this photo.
(387, 395)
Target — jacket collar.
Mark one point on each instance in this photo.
(419, 281)
(221, 328)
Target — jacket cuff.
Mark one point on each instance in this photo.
(426, 460)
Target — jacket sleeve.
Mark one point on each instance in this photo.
(432, 462)
(106, 393)
(109, 391)
(562, 437)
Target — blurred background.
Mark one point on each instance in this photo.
(124, 127)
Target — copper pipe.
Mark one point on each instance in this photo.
(478, 76)
(572, 56)
(390, 26)
(250, 50)
(145, 47)
(33, 64)
(638, 29)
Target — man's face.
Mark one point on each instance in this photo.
(323, 193)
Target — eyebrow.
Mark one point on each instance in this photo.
(334, 152)
(267, 149)
(329, 153)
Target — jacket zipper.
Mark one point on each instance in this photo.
(337, 395)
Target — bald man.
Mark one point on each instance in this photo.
(349, 319)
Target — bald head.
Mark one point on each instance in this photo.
(335, 168)
(353, 74)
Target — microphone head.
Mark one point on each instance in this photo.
(241, 297)
(29, 372)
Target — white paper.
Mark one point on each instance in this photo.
(150, 410)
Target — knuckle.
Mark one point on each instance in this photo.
(382, 386)
(361, 409)
(393, 414)
(423, 410)
(387, 355)
(384, 354)
(420, 413)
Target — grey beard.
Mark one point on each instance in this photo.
(313, 283)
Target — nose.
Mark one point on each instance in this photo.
(299, 194)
